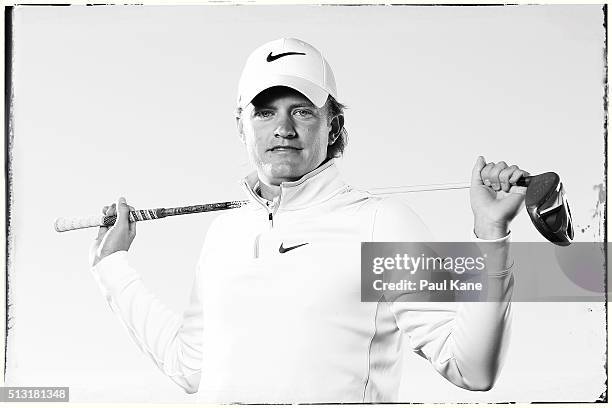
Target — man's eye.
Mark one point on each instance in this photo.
(263, 114)
(303, 112)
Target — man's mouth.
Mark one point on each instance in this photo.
(284, 149)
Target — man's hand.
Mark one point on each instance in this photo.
(119, 237)
(495, 198)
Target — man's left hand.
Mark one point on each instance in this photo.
(495, 198)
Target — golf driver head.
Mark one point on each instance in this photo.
(548, 208)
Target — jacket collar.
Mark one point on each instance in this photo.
(312, 188)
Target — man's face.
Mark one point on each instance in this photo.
(286, 136)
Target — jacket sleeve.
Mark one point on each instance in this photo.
(172, 341)
(464, 341)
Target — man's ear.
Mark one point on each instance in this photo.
(240, 127)
(336, 124)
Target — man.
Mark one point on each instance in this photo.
(275, 313)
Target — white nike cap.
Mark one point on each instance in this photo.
(287, 62)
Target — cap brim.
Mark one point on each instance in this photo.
(316, 94)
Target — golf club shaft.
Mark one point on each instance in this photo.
(417, 188)
(72, 223)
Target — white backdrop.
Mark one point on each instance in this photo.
(138, 101)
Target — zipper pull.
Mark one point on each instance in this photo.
(271, 207)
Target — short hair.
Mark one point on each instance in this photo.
(334, 108)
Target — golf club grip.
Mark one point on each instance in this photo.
(157, 213)
(135, 215)
(63, 224)
(72, 223)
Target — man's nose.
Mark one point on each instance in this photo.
(285, 127)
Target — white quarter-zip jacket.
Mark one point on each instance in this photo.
(275, 313)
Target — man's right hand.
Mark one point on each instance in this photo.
(119, 237)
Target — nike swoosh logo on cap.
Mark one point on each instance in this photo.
(282, 250)
(271, 57)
